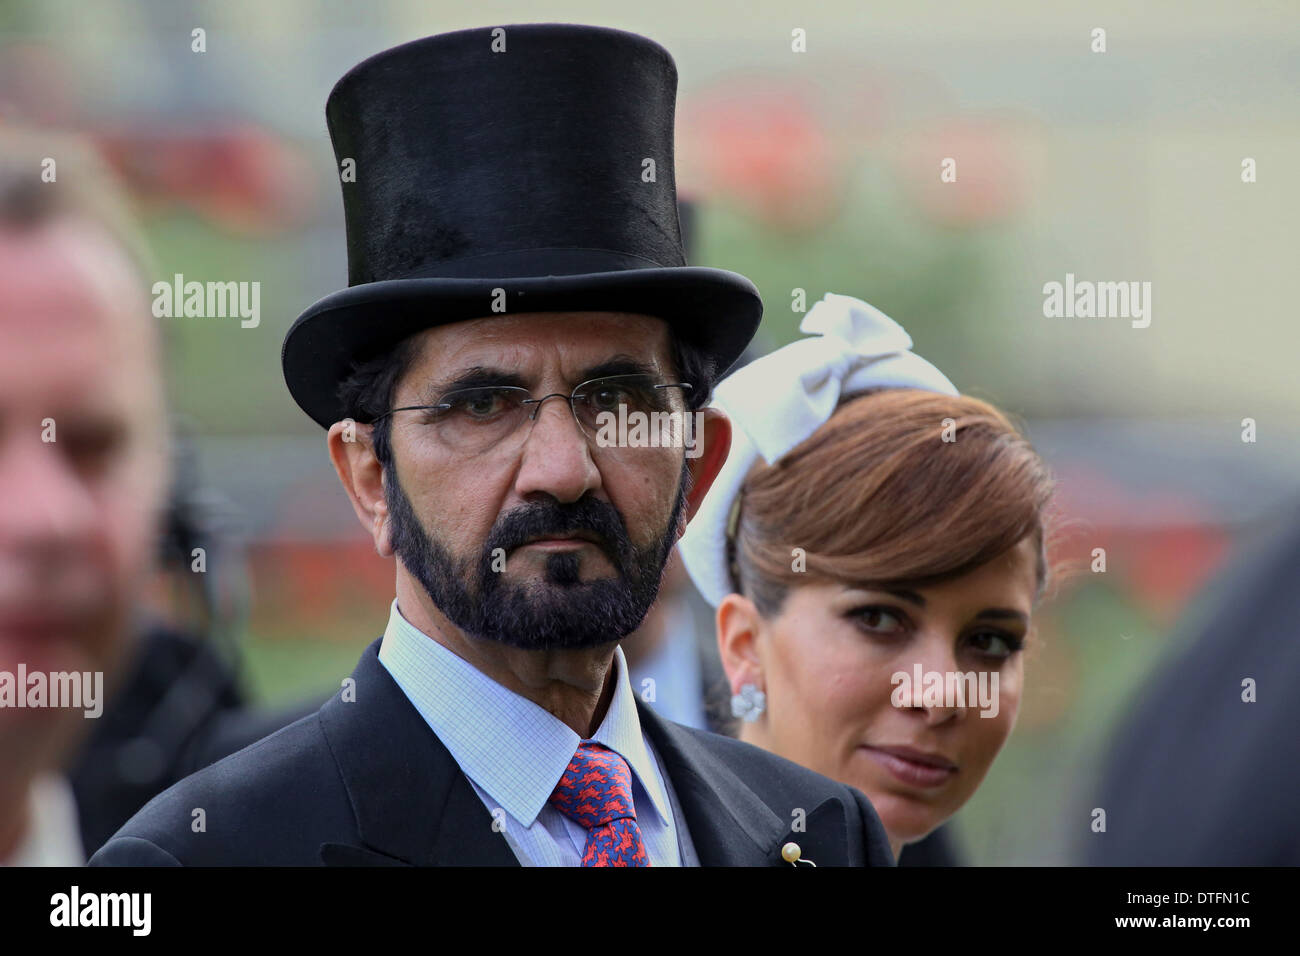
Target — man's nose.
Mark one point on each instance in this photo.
(556, 456)
(44, 504)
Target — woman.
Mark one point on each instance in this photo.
(875, 550)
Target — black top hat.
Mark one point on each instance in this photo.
(511, 158)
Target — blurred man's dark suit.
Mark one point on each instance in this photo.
(366, 782)
(1195, 775)
(179, 708)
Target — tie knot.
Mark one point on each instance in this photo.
(596, 787)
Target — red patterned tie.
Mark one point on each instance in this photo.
(596, 791)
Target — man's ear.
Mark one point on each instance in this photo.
(352, 452)
(714, 437)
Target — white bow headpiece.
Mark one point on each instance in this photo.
(779, 400)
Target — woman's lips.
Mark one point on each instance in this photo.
(913, 767)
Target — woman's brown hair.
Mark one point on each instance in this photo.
(900, 487)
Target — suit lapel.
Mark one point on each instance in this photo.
(822, 837)
(729, 824)
(413, 804)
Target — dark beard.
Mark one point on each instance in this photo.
(560, 613)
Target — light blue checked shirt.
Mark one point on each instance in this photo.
(514, 752)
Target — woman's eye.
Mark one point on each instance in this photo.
(878, 619)
(994, 644)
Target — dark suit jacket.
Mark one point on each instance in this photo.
(1195, 776)
(368, 783)
(179, 708)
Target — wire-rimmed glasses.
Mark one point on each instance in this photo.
(623, 411)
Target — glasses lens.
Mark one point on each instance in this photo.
(475, 419)
(630, 412)
(617, 395)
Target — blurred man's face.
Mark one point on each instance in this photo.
(78, 513)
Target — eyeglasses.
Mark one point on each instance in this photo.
(474, 420)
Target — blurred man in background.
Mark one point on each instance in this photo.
(1204, 769)
(671, 667)
(84, 467)
(83, 474)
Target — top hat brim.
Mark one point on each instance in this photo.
(714, 310)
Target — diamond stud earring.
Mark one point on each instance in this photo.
(749, 704)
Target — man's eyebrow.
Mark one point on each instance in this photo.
(475, 376)
(478, 376)
(621, 364)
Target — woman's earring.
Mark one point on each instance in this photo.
(749, 703)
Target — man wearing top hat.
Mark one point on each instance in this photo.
(515, 271)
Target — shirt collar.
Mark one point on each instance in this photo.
(54, 834)
(508, 745)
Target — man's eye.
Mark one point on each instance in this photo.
(636, 395)
(483, 403)
(609, 397)
(90, 449)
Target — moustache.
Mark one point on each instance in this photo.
(556, 519)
